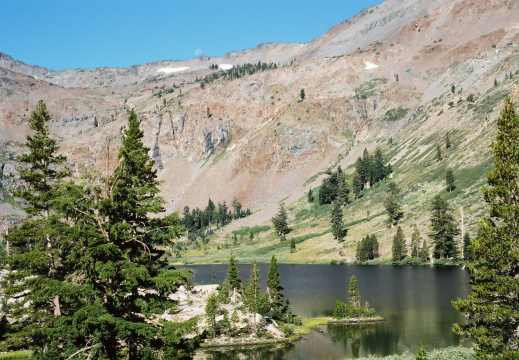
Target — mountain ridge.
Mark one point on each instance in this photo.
(253, 137)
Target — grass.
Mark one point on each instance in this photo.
(395, 114)
(311, 323)
(219, 156)
(15, 355)
(245, 231)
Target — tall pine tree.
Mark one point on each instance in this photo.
(492, 309)
(276, 301)
(391, 203)
(41, 249)
(336, 220)
(399, 248)
(443, 229)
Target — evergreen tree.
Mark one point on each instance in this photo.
(468, 254)
(447, 141)
(424, 251)
(40, 248)
(310, 196)
(292, 245)
(302, 94)
(253, 295)
(367, 169)
(374, 246)
(416, 239)
(337, 224)
(124, 261)
(449, 179)
(357, 185)
(353, 292)
(211, 310)
(399, 248)
(237, 208)
(391, 203)
(379, 169)
(96, 124)
(422, 353)
(443, 229)
(274, 288)
(280, 220)
(439, 156)
(233, 277)
(492, 308)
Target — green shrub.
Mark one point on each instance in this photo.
(288, 330)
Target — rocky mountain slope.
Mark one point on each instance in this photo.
(401, 70)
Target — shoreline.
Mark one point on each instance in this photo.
(301, 332)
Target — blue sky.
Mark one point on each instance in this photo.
(69, 34)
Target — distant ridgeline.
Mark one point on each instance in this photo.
(236, 72)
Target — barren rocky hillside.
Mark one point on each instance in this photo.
(400, 70)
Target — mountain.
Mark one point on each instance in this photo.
(402, 70)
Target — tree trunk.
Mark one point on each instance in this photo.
(57, 308)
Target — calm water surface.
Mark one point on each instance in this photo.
(414, 300)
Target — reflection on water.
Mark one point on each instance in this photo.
(414, 300)
(263, 353)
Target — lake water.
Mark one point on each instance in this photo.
(414, 300)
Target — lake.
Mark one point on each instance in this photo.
(414, 300)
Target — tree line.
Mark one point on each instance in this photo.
(236, 72)
(219, 215)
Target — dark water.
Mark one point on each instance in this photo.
(414, 300)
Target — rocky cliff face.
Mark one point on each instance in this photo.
(387, 73)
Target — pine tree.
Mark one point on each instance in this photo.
(237, 208)
(274, 288)
(447, 141)
(443, 229)
(492, 309)
(233, 277)
(253, 294)
(399, 248)
(353, 292)
(41, 249)
(449, 179)
(374, 246)
(379, 169)
(302, 94)
(367, 169)
(416, 239)
(424, 251)
(211, 309)
(439, 156)
(391, 203)
(310, 196)
(96, 124)
(422, 350)
(292, 245)
(357, 185)
(468, 254)
(280, 220)
(122, 262)
(336, 220)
